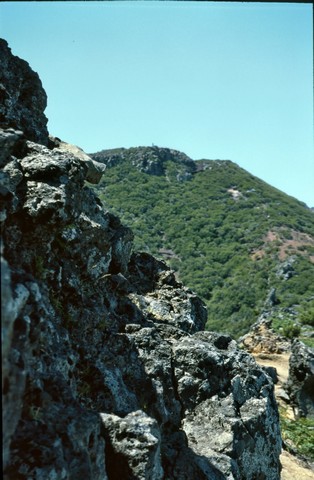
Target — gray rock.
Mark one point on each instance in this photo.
(132, 446)
(10, 174)
(8, 140)
(272, 372)
(300, 383)
(95, 170)
(225, 390)
(286, 269)
(281, 393)
(23, 99)
(10, 403)
(271, 298)
(162, 298)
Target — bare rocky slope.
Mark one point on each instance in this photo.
(107, 372)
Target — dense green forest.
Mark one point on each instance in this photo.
(242, 245)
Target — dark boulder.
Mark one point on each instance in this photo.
(22, 97)
(300, 384)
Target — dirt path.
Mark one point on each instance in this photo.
(292, 468)
(279, 361)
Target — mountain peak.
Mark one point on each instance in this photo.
(152, 160)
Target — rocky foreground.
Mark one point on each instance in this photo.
(107, 372)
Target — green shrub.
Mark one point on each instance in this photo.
(300, 433)
(291, 330)
(307, 314)
(309, 342)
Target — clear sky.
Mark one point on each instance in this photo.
(215, 80)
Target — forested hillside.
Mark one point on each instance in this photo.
(242, 245)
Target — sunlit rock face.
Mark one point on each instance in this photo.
(107, 372)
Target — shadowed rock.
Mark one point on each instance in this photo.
(22, 98)
(300, 384)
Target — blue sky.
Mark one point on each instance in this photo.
(214, 80)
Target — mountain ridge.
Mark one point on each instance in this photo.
(112, 156)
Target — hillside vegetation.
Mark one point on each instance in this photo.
(242, 245)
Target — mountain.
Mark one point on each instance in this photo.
(245, 247)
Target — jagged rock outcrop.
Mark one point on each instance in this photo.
(95, 170)
(22, 97)
(106, 370)
(300, 384)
